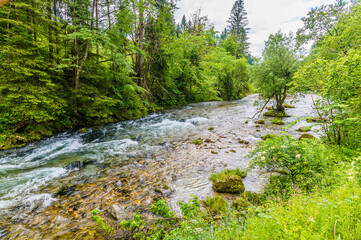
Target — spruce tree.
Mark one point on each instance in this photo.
(238, 26)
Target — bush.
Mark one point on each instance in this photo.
(304, 164)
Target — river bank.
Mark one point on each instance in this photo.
(129, 165)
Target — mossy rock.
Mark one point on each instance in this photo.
(198, 141)
(211, 128)
(274, 113)
(240, 141)
(246, 122)
(288, 106)
(261, 121)
(83, 130)
(228, 181)
(303, 129)
(230, 184)
(277, 121)
(269, 108)
(306, 136)
(268, 136)
(316, 119)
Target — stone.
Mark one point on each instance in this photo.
(306, 136)
(229, 184)
(117, 212)
(303, 129)
(261, 121)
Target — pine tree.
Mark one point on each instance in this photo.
(238, 26)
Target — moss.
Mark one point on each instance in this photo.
(83, 130)
(277, 121)
(268, 136)
(258, 130)
(214, 152)
(230, 184)
(242, 141)
(269, 108)
(211, 128)
(232, 150)
(274, 113)
(261, 121)
(215, 205)
(306, 136)
(258, 126)
(228, 181)
(198, 141)
(246, 122)
(303, 129)
(316, 119)
(288, 106)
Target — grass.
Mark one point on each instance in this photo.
(227, 172)
(277, 121)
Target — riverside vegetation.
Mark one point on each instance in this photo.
(86, 63)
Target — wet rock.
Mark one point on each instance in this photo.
(79, 164)
(306, 136)
(242, 141)
(118, 184)
(117, 212)
(208, 141)
(261, 121)
(229, 184)
(214, 152)
(303, 129)
(66, 191)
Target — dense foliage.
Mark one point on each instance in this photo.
(333, 71)
(69, 64)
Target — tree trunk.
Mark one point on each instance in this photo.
(139, 64)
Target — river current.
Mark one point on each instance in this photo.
(46, 179)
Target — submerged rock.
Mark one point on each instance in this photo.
(79, 164)
(66, 191)
(229, 184)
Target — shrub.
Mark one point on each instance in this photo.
(304, 164)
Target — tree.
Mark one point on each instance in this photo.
(274, 74)
(238, 26)
(334, 73)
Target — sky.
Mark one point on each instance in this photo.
(265, 16)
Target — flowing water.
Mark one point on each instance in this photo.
(48, 188)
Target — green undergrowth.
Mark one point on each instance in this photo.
(313, 193)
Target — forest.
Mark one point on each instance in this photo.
(69, 65)
(74, 64)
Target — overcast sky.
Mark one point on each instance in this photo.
(264, 16)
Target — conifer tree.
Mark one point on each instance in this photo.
(238, 26)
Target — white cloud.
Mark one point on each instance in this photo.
(265, 16)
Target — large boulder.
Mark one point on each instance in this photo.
(229, 184)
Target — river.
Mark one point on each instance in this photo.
(48, 188)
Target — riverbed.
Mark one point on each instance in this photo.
(48, 188)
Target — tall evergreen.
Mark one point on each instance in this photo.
(237, 25)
